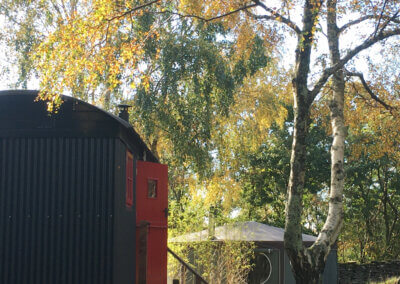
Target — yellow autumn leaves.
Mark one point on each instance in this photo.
(261, 102)
(92, 48)
(373, 130)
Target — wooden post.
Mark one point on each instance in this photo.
(142, 265)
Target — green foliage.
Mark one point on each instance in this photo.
(257, 58)
(218, 262)
(20, 35)
(372, 198)
(186, 216)
(187, 86)
(392, 280)
(265, 177)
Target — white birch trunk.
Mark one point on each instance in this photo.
(333, 223)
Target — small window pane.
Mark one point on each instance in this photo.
(152, 188)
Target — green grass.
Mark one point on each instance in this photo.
(393, 280)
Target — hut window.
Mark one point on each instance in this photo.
(129, 179)
(267, 268)
(151, 188)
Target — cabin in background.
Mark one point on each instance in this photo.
(271, 261)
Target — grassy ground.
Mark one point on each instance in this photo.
(394, 280)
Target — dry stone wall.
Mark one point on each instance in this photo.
(354, 273)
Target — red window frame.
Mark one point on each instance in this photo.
(129, 180)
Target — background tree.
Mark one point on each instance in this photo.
(372, 210)
(265, 174)
(371, 191)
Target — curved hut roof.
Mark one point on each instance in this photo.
(22, 116)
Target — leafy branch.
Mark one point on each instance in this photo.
(369, 90)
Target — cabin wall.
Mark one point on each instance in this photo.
(56, 210)
(64, 212)
(124, 220)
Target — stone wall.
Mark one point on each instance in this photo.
(355, 273)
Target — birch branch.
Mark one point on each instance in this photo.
(331, 70)
(130, 11)
(243, 8)
(275, 16)
(369, 90)
(364, 18)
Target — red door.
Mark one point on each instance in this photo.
(151, 207)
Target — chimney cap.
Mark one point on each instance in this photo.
(123, 112)
(124, 106)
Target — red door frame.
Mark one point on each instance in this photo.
(152, 210)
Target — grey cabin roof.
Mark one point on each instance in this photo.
(243, 231)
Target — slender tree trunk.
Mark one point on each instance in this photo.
(302, 266)
(330, 231)
(308, 263)
(333, 224)
(305, 268)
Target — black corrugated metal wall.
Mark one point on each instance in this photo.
(56, 210)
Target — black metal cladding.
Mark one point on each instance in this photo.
(56, 210)
(63, 217)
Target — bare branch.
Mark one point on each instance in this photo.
(380, 18)
(364, 18)
(243, 8)
(130, 11)
(368, 89)
(355, 22)
(362, 97)
(387, 22)
(276, 17)
(331, 70)
(322, 30)
(56, 8)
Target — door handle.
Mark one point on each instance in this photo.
(166, 212)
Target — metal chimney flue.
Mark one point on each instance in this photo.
(123, 112)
